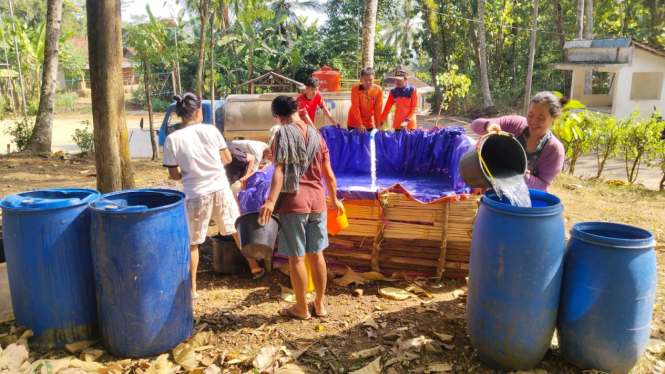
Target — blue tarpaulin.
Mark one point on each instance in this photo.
(421, 164)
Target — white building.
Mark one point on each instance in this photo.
(626, 74)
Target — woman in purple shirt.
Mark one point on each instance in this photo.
(545, 153)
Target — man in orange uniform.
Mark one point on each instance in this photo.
(405, 99)
(366, 103)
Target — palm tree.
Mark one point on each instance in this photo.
(487, 95)
(369, 32)
(406, 23)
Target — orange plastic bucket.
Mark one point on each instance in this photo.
(337, 224)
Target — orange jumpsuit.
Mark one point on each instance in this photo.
(366, 106)
(406, 106)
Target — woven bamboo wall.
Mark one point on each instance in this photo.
(412, 237)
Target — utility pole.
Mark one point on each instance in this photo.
(532, 53)
(18, 62)
(212, 66)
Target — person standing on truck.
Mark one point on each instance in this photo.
(298, 196)
(194, 155)
(405, 99)
(311, 99)
(366, 103)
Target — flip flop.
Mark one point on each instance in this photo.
(259, 275)
(286, 312)
(195, 296)
(318, 315)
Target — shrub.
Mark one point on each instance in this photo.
(637, 143)
(159, 105)
(84, 137)
(20, 132)
(65, 100)
(33, 107)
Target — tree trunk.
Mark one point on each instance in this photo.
(532, 52)
(657, 19)
(484, 80)
(476, 48)
(514, 32)
(203, 16)
(212, 63)
(112, 158)
(558, 22)
(588, 34)
(40, 141)
(369, 32)
(225, 16)
(499, 47)
(579, 25)
(435, 73)
(148, 95)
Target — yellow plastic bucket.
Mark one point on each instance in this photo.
(339, 223)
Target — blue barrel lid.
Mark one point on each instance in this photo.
(137, 201)
(49, 199)
(615, 235)
(542, 204)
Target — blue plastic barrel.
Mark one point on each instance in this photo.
(141, 260)
(46, 236)
(607, 296)
(515, 280)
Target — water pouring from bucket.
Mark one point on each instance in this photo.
(497, 162)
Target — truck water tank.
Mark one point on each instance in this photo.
(329, 79)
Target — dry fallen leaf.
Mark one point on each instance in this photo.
(79, 346)
(444, 337)
(54, 366)
(438, 367)
(160, 366)
(404, 356)
(212, 369)
(185, 356)
(90, 354)
(293, 369)
(265, 360)
(417, 290)
(376, 276)
(4, 361)
(656, 346)
(90, 367)
(395, 293)
(370, 322)
(372, 334)
(202, 339)
(302, 348)
(366, 353)
(373, 368)
(350, 277)
(18, 354)
(113, 369)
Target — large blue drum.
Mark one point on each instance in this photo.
(607, 296)
(515, 280)
(46, 237)
(141, 260)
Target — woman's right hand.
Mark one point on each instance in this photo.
(493, 127)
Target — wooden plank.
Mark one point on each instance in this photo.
(444, 245)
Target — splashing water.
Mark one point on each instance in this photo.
(514, 187)
(372, 153)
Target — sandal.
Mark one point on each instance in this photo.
(286, 312)
(195, 296)
(317, 314)
(259, 275)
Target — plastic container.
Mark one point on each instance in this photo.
(329, 79)
(335, 225)
(515, 280)
(503, 155)
(141, 261)
(258, 242)
(226, 256)
(607, 296)
(46, 237)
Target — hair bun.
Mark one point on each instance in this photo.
(564, 100)
(177, 98)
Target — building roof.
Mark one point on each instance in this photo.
(80, 43)
(655, 49)
(614, 43)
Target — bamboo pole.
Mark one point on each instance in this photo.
(444, 244)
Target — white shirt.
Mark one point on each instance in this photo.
(195, 148)
(253, 147)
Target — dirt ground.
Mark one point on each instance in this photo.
(243, 314)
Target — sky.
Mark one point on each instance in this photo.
(168, 8)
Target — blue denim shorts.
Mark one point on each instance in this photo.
(302, 233)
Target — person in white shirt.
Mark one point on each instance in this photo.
(257, 149)
(194, 154)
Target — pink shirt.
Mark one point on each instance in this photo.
(551, 159)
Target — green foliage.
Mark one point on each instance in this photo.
(640, 140)
(33, 107)
(72, 60)
(20, 132)
(606, 139)
(159, 105)
(84, 138)
(453, 85)
(65, 100)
